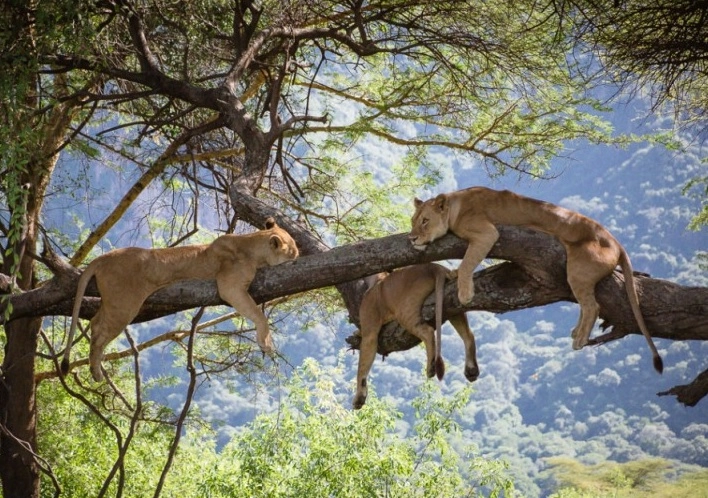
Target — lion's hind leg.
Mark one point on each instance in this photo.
(459, 322)
(584, 271)
(370, 327)
(589, 311)
(426, 333)
(106, 325)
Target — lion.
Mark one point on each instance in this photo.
(126, 277)
(399, 296)
(592, 252)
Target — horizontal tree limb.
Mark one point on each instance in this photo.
(535, 277)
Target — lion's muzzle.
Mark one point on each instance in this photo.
(418, 244)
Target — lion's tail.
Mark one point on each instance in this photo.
(80, 290)
(628, 272)
(439, 290)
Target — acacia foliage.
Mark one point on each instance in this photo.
(660, 46)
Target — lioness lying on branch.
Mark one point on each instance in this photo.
(399, 296)
(592, 252)
(126, 277)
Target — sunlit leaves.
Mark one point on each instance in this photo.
(314, 446)
(349, 197)
(698, 188)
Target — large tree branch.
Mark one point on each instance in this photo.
(253, 210)
(535, 277)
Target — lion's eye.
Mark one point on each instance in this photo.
(425, 221)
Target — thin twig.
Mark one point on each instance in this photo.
(119, 465)
(187, 403)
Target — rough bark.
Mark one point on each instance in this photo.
(18, 467)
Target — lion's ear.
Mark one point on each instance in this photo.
(440, 202)
(275, 242)
(269, 223)
(417, 203)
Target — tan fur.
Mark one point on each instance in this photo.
(592, 252)
(126, 277)
(399, 296)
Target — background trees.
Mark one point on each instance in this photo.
(218, 113)
(642, 478)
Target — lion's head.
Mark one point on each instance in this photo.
(430, 221)
(282, 246)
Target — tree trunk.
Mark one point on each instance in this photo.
(19, 470)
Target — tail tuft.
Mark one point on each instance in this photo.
(64, 366)
(658, 364)
(439, 368)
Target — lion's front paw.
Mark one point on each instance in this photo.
(265, 340)
(579, 340)
(465, 293)
(579, 344)
(97, 372)
(266, 346)
(359, 401)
